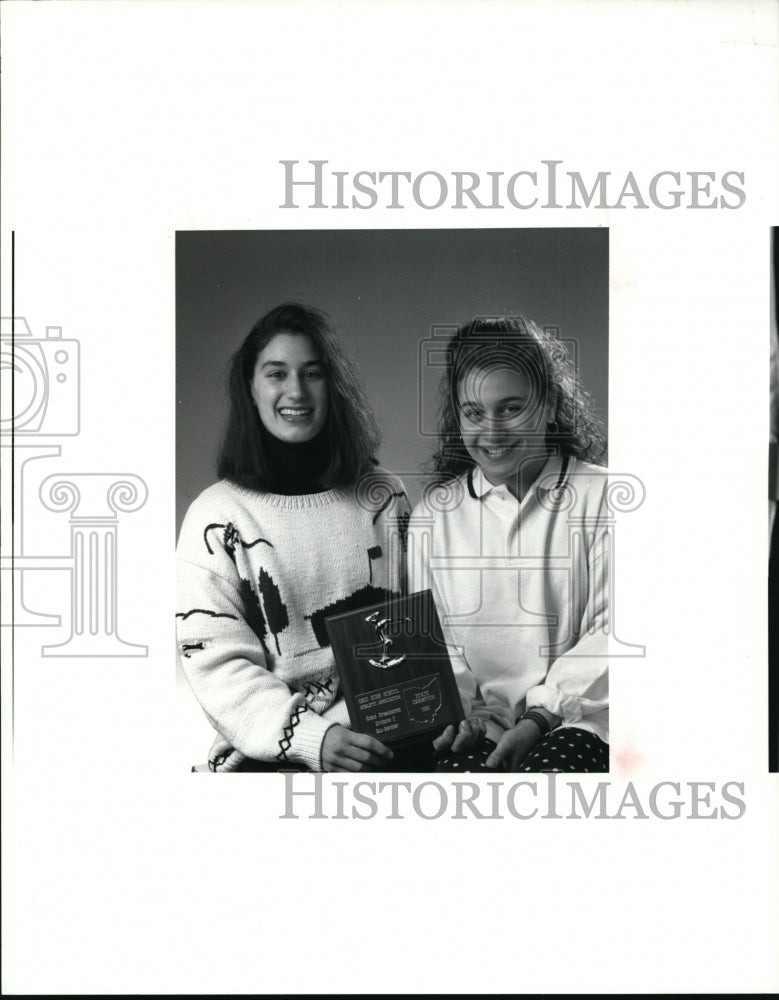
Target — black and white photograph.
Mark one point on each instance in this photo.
(496, 496)
(383, 473)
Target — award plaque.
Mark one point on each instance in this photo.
(395, 671)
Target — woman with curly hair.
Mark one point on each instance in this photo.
(301, 525)
(512, 538)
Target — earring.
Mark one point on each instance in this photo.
(553, 427)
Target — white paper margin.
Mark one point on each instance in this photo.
(125, 122)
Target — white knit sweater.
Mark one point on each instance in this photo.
(257, 574)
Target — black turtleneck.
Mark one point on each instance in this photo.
(295, 469)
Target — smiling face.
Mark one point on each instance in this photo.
(503, 420)
(289, 388)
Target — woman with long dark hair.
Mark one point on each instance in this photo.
(512, 537)
(301, 525)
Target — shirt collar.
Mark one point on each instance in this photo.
(479, 486)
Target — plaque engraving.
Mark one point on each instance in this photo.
(394, 670)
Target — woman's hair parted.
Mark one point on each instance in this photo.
(350, 429)
(518, 343)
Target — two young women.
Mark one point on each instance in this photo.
(302, 524)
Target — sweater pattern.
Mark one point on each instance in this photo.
(258, 576)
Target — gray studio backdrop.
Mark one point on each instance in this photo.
(385, 290)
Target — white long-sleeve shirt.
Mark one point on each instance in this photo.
(522, 590)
